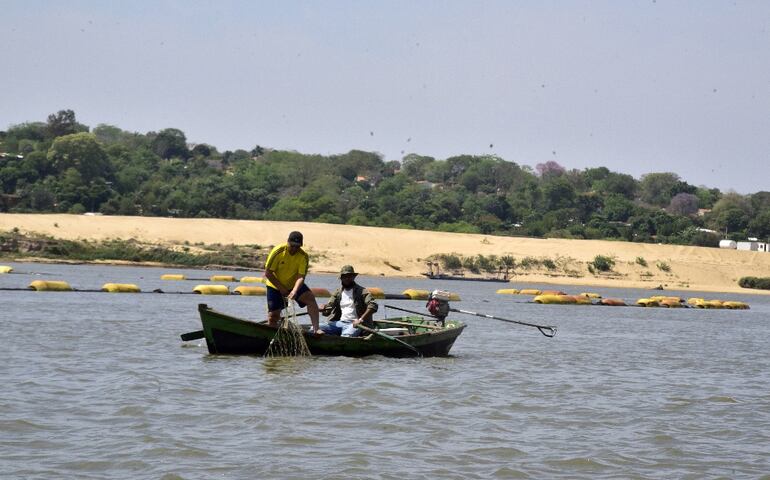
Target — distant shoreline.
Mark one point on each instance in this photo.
(403, 253)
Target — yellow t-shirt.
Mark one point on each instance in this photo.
(285, 266)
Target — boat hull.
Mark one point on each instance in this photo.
(226, 334)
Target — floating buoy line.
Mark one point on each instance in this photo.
(209, 289)
(556, 297)
(546, 297)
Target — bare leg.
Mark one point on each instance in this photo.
(274, 318)
(312, 307)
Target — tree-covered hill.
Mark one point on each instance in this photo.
(63, 166)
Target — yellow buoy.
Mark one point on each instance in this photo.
(376, 292)
(554, 299)
(699, 303)
(5, 269)
(172, 276)
(668, 299)
(694, 301)
(508, 291)
(50, 286)
(590, 295)
(252, 280)
(454, 297)
(415, 294)
(735, 305)
(222, 278)
(250, 290)
(120, 288)
(529, 291)
(212, 290)
(713, 304)
(647, 302)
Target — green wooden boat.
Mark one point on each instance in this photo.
(395, 337)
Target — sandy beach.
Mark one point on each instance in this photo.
(395, 252)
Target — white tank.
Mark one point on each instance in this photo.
(727, 244)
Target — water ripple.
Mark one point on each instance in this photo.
(99, 387)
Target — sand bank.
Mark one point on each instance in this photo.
(395, 252)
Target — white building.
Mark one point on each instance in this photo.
(753, 246)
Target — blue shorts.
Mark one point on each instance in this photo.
(276, 301)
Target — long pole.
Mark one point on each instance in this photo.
(548, 331)
(383, 335)
(410, 311)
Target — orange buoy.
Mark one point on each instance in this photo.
(320, 292)
(376, 292)
(552, 292)
(250, 290)
(582, 299)
(612, 302)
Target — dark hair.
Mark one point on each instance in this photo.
(295, 238)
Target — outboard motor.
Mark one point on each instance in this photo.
(438, 304)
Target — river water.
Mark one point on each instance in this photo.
(99, 385)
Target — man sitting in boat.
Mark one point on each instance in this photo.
(285, 271)
(349, 306)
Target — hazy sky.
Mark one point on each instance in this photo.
(636, 86)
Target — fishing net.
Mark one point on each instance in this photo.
(289, 341)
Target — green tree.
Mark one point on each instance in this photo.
(759, 226)
(656, 188)
(618, 208)
(170, 142)
(414, 165)
(617, 183)
(63, 123)
(707, 197)
(731, 213)
(82, 152)
(760, 201)
(558, 194)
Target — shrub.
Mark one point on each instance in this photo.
(529, 262)
(663, 266)
(641, 261)
(761, 283)
(78, 209)
(603, 263)
(471, 264)
(549, 264)
(450, 261)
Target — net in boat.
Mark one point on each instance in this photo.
(289, 341)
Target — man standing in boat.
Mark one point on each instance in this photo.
(285, 271)
(349, 306)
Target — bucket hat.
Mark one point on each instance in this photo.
(347, 270)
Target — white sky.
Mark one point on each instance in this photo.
(636, 86)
